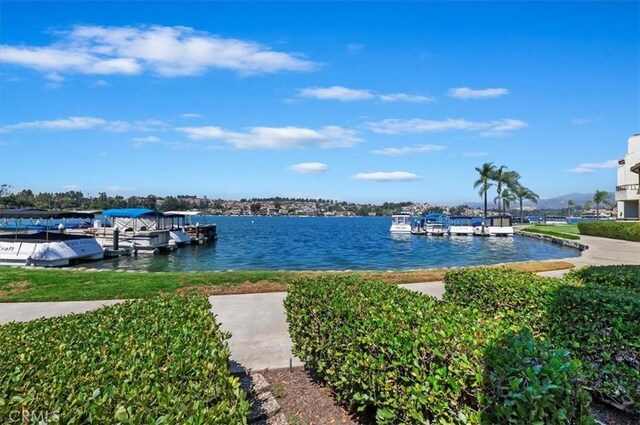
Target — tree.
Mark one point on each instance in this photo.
(486, 172)
(570, 205)
(524, 194)
(588, 205)
(598, 198)
(255, 208)
(499, 176)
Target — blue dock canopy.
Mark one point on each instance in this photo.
(132, 213)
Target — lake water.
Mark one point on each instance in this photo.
(335, 243)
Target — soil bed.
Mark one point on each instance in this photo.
(305, 401)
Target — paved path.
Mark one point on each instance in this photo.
(258, 322)
(22, 312)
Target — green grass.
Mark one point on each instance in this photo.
(21, 284)
(565, 231)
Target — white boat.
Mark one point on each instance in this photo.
(45, 248)
(460, 225)
(498, 226)
(435, 229)
(556, 220)
(139, 229)
(177, 228)
(400, 223)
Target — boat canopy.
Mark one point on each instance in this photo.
(132, 213)
(43, 214)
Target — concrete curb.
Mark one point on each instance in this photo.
(553, 239)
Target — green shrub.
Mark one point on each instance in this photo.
(628, 231)
(627, 277)
(162, 360)
(392, 353)
(530, 382)
(501, 292)
(600, 325)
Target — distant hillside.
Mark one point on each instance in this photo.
(558, 202)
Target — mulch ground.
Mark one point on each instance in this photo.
(304, 401)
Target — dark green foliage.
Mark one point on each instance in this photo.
(531, 383)
(398, 355)
(162, 360)
(628, 231)
(627, 277)
(600, 325)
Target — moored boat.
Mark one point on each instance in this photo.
(51, 247)
(400, 223)
(461, 225)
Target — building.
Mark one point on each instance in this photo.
(628, 188)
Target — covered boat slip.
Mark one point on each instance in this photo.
(461, 225)
(26, 246)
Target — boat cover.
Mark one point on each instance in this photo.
(44, 214)
(132, 213)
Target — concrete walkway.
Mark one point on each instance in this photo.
(258, 322)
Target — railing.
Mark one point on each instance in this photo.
(624, 187)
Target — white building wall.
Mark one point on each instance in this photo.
(628, 199)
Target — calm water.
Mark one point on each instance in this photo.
(319, 243)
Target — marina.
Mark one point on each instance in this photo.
(334, 243)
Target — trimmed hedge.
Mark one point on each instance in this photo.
(601, 325)
(402, 357)
(161, 360)
(628, 231)
(627, 277)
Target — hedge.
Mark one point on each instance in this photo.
(162, 360)
(628, 231)
(601, 325)
(402, 357)
(627, 277)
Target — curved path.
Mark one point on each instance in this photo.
(257, 322)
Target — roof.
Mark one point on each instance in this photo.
(132, 213)
(37, 213)
(636, 168)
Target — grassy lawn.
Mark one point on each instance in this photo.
(19, 284)
(566, 231)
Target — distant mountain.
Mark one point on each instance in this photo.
(561, 201)
(557, 202)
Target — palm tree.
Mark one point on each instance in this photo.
(486, 172)
(508, 196)
(599, 197)
(524, 193)
(501, 178)
(570, 204)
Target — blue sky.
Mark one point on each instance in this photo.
(366, 102)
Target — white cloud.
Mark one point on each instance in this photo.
(340, 93)
(404, 97)
(100, 83)
(354, 47)
(590, 167)
(581, 121)
(277, 137)
(167, 51)
(309, 167)
(475, 154)
(486, 128)
(387, 176)
(468, 93)
(119, 189)
(345, 94)
(86, 123)
(190, 115)
(55, 77)
(70, 123)
(71, 187)
(407, 150)
(141, 141)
